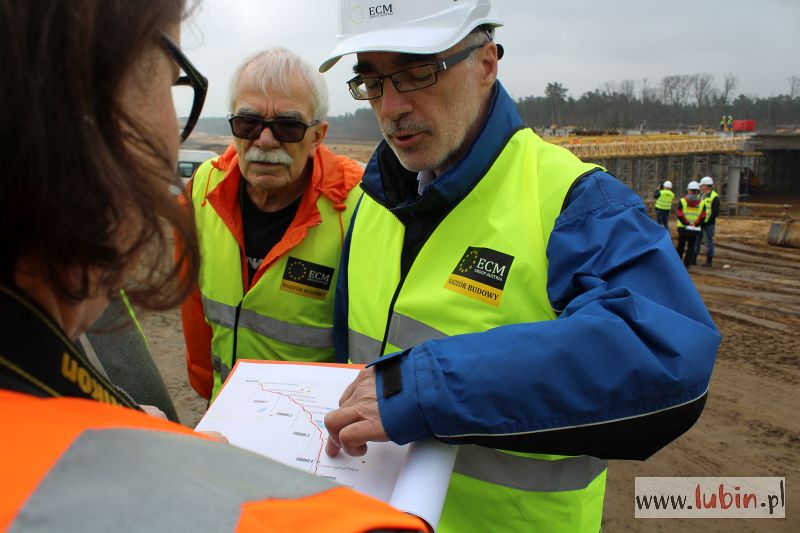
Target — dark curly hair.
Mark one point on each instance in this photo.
(71, 183)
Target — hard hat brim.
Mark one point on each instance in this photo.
(426, 41)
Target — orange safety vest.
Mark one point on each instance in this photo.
(72, 464)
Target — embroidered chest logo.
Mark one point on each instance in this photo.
(481, 274)
(306, 278)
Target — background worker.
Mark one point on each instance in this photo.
(535, 330)
(270, 214)
(711, 203)
(664, 197)
(82, 213)
(691, 213)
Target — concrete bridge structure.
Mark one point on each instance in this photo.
(740, 164)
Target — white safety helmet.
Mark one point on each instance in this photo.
(708, 180)
(667, 184)
(693, 186)
(410, 26)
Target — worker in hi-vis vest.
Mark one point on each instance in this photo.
(691, 216)
(517, 300)
(664, 198)
(271, 215)
(711, 203)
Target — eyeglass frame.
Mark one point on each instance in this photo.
(267, 124)
(442, 64)
(193, 79)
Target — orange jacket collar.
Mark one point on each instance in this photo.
(326, 179)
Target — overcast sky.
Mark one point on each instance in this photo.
(579, 43)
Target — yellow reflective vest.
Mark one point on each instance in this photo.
(483, 266)
(287, 314)
(689, 212)
(707, 201)
(664, 200)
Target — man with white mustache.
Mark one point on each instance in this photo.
(271, 214)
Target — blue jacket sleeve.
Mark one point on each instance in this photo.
(621, 372)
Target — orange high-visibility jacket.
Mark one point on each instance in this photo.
(333, 178)
(71, 464)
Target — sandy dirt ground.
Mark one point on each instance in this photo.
(750, 426)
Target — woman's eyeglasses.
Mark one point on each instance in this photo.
(285, 130)
(193, 79)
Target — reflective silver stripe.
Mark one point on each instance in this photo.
(405, 332)
(220, 367)
(297, 334)
(527, 473)
(219, 313)
(125, 479)
(308, 336)
(363, 349)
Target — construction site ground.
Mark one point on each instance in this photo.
(751, 423)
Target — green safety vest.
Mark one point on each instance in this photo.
(490, 490)
(288, 313)
(708, 200)
(664, 200)
(689, 212)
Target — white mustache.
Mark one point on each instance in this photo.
(276, 156)
(404, 127)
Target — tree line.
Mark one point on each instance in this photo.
(676, 102)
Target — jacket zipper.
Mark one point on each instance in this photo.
(236, 332)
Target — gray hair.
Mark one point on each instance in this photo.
(480, 35)
(274, 70)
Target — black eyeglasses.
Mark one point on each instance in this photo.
(409, 79)
(285, 130)
(192, 79)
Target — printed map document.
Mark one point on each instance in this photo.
(276, 409)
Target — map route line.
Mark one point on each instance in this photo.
(310, 419)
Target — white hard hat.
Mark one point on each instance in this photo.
(410, 26)
(708, 180)
(668, 184)
(693, 185)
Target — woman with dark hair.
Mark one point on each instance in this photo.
(89, 151)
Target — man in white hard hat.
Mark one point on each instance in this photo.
(691, 213)
(517, 295)
(712, 202)
(664, 198)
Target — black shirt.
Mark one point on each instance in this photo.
(262, 230)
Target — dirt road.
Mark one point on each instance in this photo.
(751, 425)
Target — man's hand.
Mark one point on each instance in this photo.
(357, 420)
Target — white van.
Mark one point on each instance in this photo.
(189, 160)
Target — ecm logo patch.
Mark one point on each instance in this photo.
(306, 278)
(481, 274)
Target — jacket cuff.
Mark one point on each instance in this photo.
(400, 410)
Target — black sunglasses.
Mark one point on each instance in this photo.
(193, 79)
(285, 130)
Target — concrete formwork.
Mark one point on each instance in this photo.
(645, 174)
